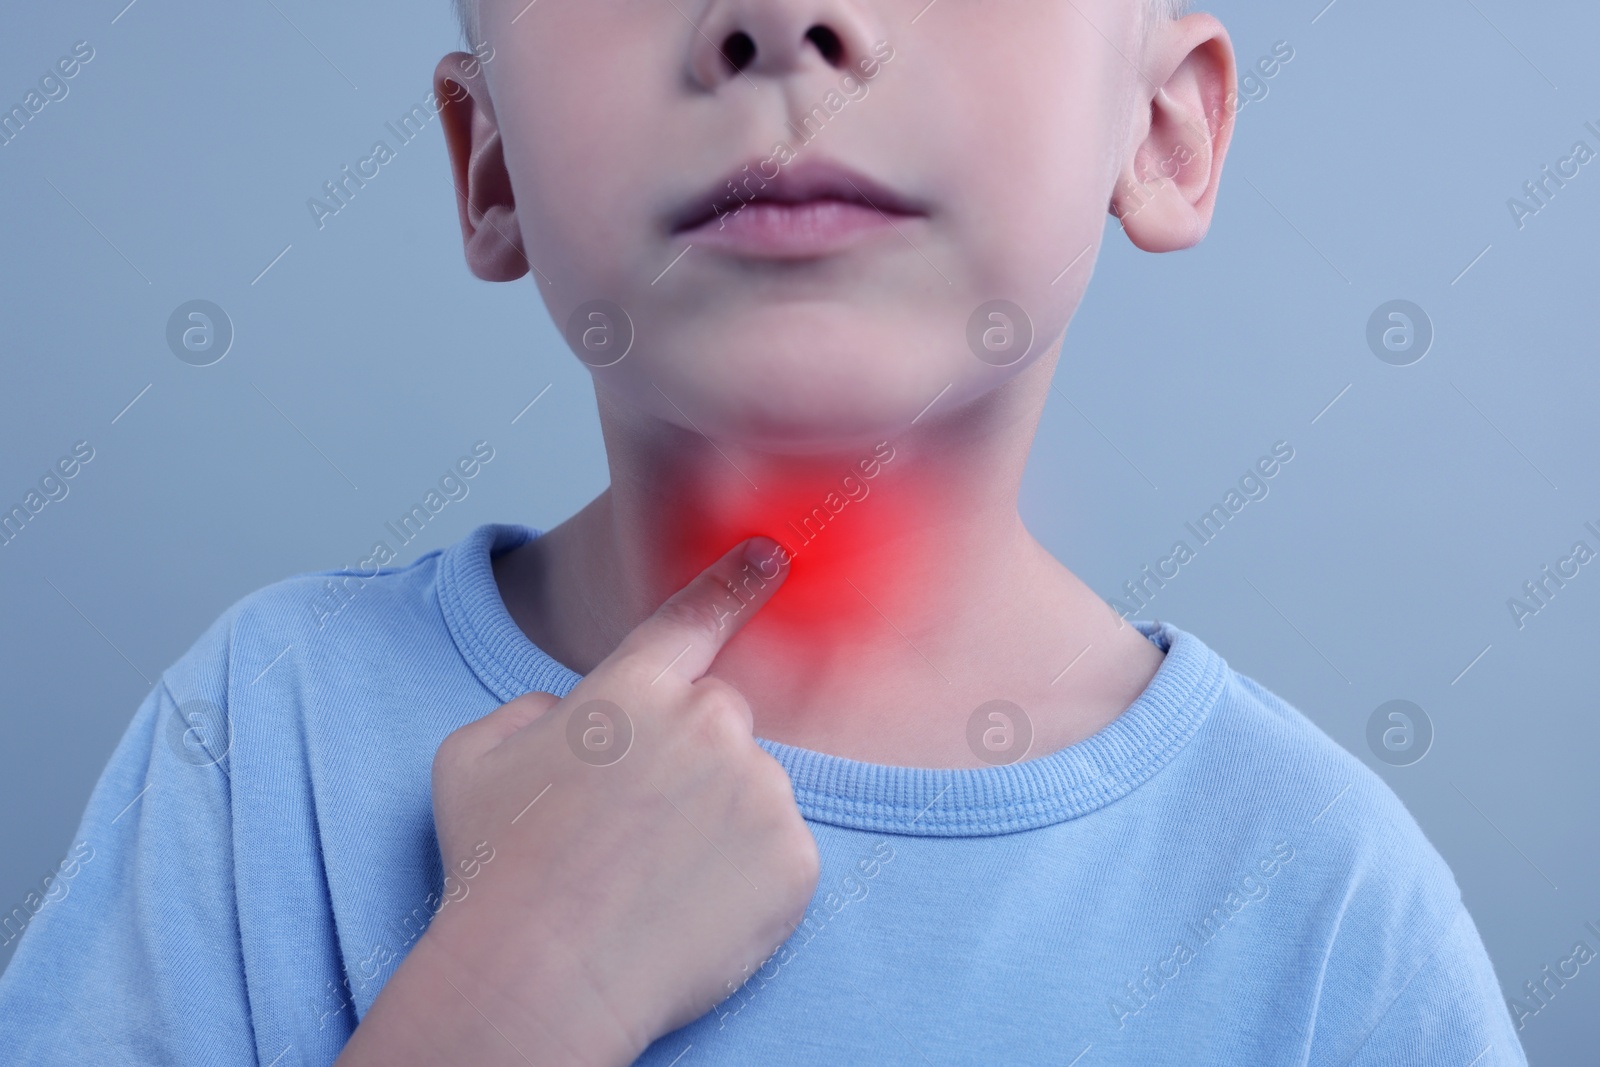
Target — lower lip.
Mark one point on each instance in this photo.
(769, 230)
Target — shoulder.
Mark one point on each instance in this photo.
(279, 648)
(1372, 899)
(1264, 756)
(242, 782)
(273, 633)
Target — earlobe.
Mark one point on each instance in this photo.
(1167, 191)
(490, 233)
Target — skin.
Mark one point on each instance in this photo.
(608, 917)
(1019, 124)
(626, 896)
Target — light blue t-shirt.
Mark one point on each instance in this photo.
(1209, 880)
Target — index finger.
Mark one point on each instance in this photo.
(688, 630)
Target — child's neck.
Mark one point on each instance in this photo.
(915, 594)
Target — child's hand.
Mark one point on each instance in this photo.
(632, 886)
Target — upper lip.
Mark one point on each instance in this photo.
(812, 179)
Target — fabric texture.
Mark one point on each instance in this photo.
(1209, 880)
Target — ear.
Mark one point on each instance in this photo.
(1167, 189)
(489, 228)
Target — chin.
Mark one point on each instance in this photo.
(795, 419)
(799, 387)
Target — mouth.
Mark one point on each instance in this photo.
(804, 210)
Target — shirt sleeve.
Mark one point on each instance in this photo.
(1450, 1013)
(130, 951)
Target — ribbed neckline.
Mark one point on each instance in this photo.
(930, 802)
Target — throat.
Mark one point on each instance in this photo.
(869, 651)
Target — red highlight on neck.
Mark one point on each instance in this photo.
(837, 535)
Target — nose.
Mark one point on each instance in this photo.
(776, 38)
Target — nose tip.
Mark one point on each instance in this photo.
(774, 38)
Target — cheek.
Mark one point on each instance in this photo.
(1032, 179)
(586, 148)
(576, 245)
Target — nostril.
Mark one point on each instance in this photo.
(827, 43)
(739, 49)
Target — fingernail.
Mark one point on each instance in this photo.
(760, 553)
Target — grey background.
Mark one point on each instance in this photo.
(366, 360)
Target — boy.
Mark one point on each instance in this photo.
(793, 746)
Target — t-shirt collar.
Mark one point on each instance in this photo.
(934, 802)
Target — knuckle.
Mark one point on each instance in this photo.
(719, 709)
(450, 774)
(804, 855)
(810, 872)
(771, 783)
(800, 864)
(768, 776)
(716, 691)
(449, 756)
(530, 706)
(715, 736)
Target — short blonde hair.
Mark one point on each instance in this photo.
(467, 16)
